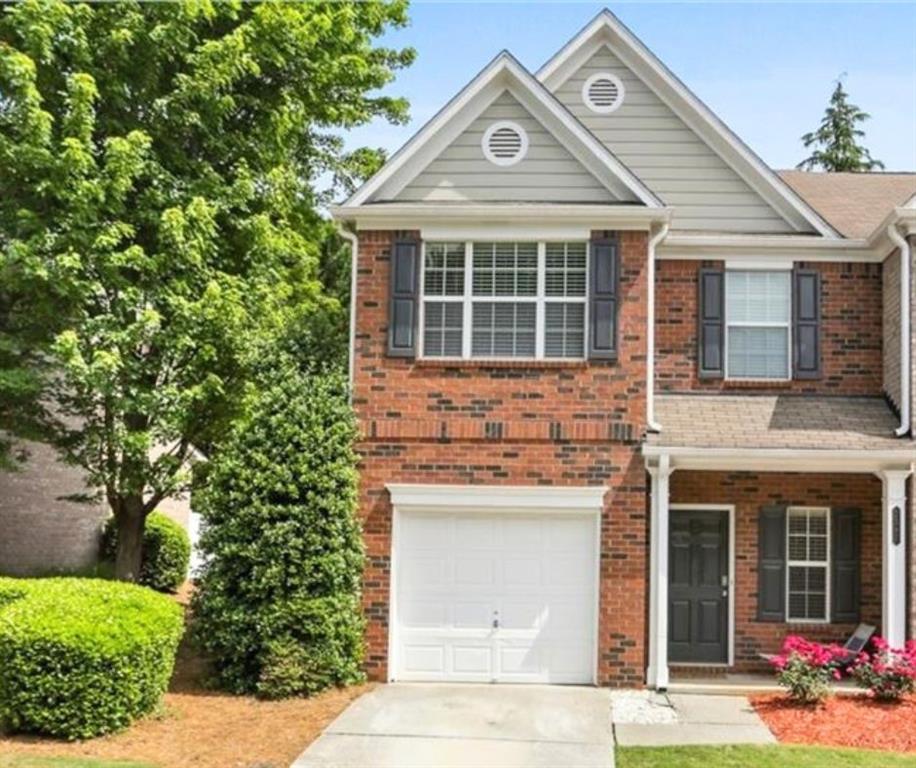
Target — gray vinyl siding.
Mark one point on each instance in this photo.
(548, 173)
(669, 157)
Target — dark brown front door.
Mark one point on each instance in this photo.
(698, 587)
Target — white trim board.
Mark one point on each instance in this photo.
(787, 460)
(501, 74)
(507, 498)
(730, 509)
(607, 30)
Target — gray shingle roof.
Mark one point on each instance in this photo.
(777, 421)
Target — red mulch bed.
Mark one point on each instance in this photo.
(842, 721)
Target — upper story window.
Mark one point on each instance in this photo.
(758, 317)
(492, 300)
(807, 563)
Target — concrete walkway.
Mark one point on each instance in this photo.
(468, 726)
(661, 720)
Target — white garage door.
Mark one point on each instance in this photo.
(506, 597)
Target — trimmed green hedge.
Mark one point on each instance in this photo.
(166, 552)
(278, 606)
(83, 657)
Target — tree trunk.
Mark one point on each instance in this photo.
(131, 522)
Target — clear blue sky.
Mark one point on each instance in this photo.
(767, 69)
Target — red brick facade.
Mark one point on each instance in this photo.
(529, 424)
(748, 492)
(851, 331)
(582, 423)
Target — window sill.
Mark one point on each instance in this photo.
(525, 364)
(757, 383)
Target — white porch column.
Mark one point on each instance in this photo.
(893, 555)
(657, 673)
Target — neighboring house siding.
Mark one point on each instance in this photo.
(668, 156)
(852, 323)
(891, 328)
(748, 492)
(505, 423)
(42, 533)
(39, 532)
(548, 172)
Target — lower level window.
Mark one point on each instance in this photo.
(808, 563)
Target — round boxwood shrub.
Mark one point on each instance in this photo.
(278, 602)
(83, 657)
(166, 552)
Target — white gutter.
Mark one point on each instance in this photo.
(905, 349)
(651, 424)
(354, 252)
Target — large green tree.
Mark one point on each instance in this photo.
(158, 228)
(836, 141)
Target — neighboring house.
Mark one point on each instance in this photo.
(630, 401)
(43, 533)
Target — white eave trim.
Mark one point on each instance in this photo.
(796, 247)
(601, 161)
(689, 108)
(782, 459)
(413, 215)
(521, 498)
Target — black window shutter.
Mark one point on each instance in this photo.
(771, 564)
(806, 315)
(845, 546)
(711, 324)
(402, 308)
(604, 282)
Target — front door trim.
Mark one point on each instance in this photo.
(730, 508)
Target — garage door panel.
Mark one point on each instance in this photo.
(472, 659)
(474, 571)
(522, 616)
(522, 572)
(424, 614)
(423, 659)
(476, 533)
(431, 572)
(472, 615)
(457, 573)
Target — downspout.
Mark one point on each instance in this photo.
(905, 347)
(651, 423)
(354, 252)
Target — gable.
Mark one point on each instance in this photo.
(704, 155)
(550, 122)
(547, 173)
(671, 158)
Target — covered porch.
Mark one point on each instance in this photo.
(770, 516)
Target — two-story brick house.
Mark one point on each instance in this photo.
(629, 399)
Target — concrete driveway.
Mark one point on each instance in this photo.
(468, 726)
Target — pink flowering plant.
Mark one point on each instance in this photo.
(805, 668)
(888, 673)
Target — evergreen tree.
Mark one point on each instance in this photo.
(835, 142)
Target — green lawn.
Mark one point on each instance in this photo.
(758, 757)
(24, 761)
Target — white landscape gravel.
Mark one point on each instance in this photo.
(641, 708)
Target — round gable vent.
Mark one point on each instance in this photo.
(504, 143)
(603, 92)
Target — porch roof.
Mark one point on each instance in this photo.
(784, 421)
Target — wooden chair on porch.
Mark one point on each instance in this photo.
(853, 646)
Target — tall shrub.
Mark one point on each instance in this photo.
(278, 604)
